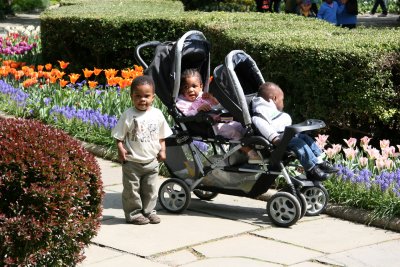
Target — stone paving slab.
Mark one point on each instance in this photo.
(122, 260)
(329, 235)
(231, 262)
(105, 257)
(257, 248)
(177, 258)
(174, 232)
(381, 254)
(111, 172)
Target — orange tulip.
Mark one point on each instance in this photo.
(18, 74)
(73, 77)
(60, 74)
(29, 82)
(97, 71)
(48, 66)
(126, 73)
(40, 67)
(54, 72)
(63, 65)
(92, 84)
(123, 83)
(14, 64)
(113, 81)
(138, 68)
(63, 83)
(87, 73)
(53, 79)
(110, 72)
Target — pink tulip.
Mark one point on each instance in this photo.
(365, 141)
(384, 143)
(321, 140)
(351, 142)
(350, 153)
(330, 153)
(363, 161)
(373, 153)
(337, 147)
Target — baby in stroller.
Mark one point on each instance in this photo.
(271, 122)
(192, 100)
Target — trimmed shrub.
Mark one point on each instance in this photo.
(349, 79)
(221, 5)
(51, 193)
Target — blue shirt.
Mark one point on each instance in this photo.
(343, 17)
(328, 12)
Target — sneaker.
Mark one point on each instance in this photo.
(153, 218)
(139, 220)
(316, 174)
(382, 15)
(327, 167)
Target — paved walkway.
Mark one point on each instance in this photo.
(231, 231)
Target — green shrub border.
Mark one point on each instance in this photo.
(350, 79)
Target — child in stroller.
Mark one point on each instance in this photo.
(192, 100)
(270, 121)
(201, 172)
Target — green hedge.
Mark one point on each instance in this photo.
(350, 79)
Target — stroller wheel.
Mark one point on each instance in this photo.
(283, 209)
(303, 204)
(204, 195)
(317, 198)
(174, 195)
(301, 198)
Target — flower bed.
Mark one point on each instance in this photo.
(369, 178)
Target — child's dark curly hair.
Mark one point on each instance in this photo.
(142, 80)
(189, 73)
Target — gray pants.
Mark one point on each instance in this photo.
(139, 195)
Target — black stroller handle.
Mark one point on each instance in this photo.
(138, 48)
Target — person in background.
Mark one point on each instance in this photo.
(314, 7)
(328, 11)
(140, 136)
(262, 5)
(275, 6)
(382, 4)
(347, 13)
(305, 9)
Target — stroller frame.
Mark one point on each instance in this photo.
(285, 208)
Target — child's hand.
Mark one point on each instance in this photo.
(161, 155)
(204, 107)
(122, 152)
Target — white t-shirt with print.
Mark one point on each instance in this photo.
(141, 132)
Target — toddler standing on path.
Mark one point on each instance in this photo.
(140, 136)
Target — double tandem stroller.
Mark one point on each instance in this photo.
(202, 162)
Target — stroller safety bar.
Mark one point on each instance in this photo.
(290, 132)
(138, 57)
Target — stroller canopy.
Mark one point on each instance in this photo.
(192, 50)
(235, 83)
